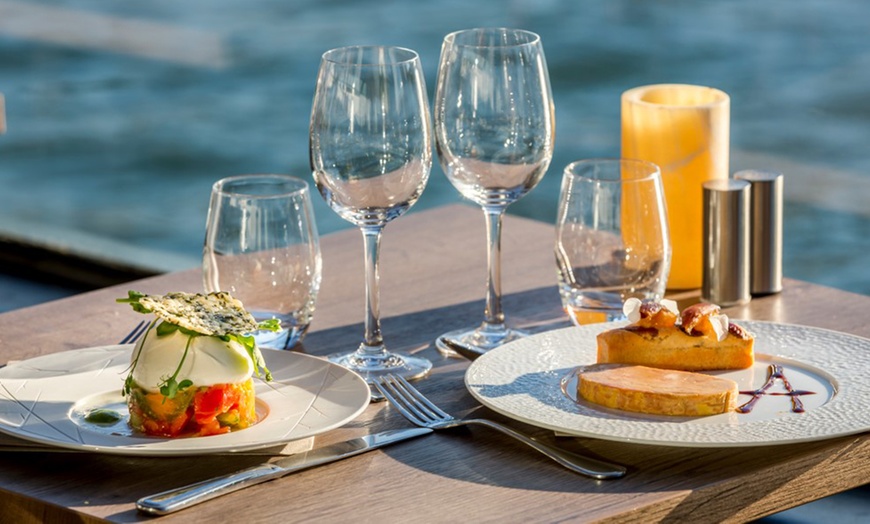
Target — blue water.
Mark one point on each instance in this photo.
(120, 133)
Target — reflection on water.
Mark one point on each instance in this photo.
(121, 115)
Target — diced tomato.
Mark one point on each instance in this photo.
(164, 427)
(209, 410)
(210, 403)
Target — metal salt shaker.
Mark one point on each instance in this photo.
(726, 275)
(766, 226)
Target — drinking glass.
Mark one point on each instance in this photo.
(612, 238)
(261, 246)
(370, 145)
(494, 129)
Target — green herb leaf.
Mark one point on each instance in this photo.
(170, 386)
(128, 383)
(166, 328)
(133, 299)
(250, 345)
(272, 324)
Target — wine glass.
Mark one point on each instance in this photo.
(494, 130)
(370, 146)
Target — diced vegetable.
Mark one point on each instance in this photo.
(202, 411)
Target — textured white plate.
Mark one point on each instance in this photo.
(45, 400)
(524, 380)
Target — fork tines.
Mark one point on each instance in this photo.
(134, 335)
(409, 401)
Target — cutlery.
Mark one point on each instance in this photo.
(137, 331)
(422, 412)
(471, 353)
(180, 498)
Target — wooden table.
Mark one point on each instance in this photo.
(432, 276)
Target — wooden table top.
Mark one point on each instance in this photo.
(432, 280)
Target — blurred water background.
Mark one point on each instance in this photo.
(121, 115)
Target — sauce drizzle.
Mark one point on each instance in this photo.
(775, 372)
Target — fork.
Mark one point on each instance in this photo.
(422, 412)
(137, 331)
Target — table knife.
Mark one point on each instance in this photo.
(192, 494)
(468, 352)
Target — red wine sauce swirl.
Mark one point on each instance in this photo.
(774, 373)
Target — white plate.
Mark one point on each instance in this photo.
(45, 400)
(524, 380)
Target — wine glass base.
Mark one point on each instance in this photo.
(482, 339)
(288, 337)
(373, 368)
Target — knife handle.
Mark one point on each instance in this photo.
(180, 498)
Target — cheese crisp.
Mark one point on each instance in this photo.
(210, 314)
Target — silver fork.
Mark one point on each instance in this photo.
(137, 331)
(422, 412)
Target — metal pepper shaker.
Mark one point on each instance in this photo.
(766, 226)
(726, 275)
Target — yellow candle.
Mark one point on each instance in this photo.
(685, 130)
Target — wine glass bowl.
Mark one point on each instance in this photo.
(370, 135)
(494, 130)
(370, 152)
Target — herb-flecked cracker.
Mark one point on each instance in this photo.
(216, 313)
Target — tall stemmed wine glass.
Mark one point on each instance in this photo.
(494, 130)
(370, 146)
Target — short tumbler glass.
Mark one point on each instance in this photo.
(261, 246)
(611, 237)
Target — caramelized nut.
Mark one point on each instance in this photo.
(738, 331)
(654, 314)
(694, 317)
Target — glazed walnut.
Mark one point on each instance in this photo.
(703, 320)
(655, 315)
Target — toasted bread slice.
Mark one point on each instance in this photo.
(656, 391)
(672, 348)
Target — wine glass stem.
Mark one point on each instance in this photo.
(372, 243)
(493, 313)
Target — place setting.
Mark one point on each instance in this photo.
(234, 369)
(535, 381)
(74, 400)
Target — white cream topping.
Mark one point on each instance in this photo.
(720, 326)
(670, 305)
(631, 308)
(209, 360)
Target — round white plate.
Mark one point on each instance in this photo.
(46, 399)
(533, 380)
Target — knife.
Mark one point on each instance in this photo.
(466, 351)
(177, 499)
